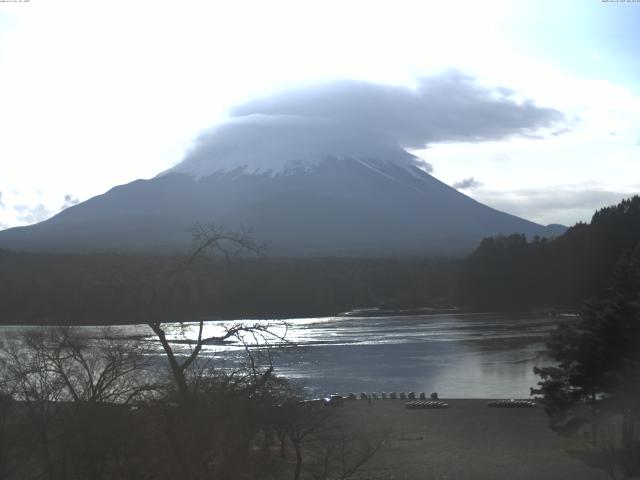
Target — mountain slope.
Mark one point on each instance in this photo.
(333, 206)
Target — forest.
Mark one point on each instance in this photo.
(510, 272)
(105, 289)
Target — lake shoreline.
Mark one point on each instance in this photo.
(389, 314)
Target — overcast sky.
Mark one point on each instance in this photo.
(95, 94)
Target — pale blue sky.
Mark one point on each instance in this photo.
(95, 94)
(592, 39)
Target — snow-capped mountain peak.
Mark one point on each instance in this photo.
(285, 144)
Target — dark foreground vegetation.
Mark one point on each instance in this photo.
(73, 407)
(594, 386)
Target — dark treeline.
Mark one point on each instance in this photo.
(513, 273)
(118, 288)
(504, 272)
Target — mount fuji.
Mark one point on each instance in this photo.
(304, 186)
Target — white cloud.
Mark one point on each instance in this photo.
(592, 165)
(21, 208)
(32, 214)
(69, 201)
(467, 184)
(565, 204)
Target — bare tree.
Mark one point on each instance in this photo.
(210, 240)
(341, 456)
(95, 370)
(305, 421)
(6, 413)
(320, 440)
(73, 393)
(28, 375)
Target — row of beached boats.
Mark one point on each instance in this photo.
(419, 402)
(338, 400)
(511, 404)
(391, 396)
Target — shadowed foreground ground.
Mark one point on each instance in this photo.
(466, 441)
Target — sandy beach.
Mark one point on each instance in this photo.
(466, 441)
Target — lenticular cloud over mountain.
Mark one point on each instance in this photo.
(347, 119)
(447, 107)
(318, 170)
(276, 143)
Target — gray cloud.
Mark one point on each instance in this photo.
(276, 142)
(446, 107)
(69, 201)
(37, 213)
(299, 127)
(560, 204)
(467, 184)
(29, 214)
(424, 165)
(1, 202)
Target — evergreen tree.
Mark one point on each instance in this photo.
(597, 375)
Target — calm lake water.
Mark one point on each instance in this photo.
(457, 355)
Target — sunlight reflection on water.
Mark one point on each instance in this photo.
(457, 355)
(464, 356)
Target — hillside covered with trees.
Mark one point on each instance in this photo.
(513, 273)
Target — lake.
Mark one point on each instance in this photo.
(489, 355)
(458, 356)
